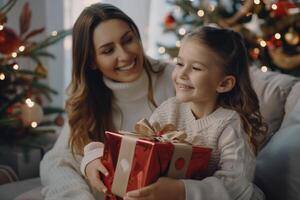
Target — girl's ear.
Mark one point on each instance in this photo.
(226, 84)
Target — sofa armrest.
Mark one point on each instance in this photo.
(7, 175)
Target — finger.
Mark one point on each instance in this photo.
(136, 198)
(98, 184)
(143, 192)
(102, 169)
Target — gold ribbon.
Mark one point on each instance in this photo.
(145, 130)
(166, 133)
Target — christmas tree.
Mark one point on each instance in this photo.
(270, 27)
(24, 96)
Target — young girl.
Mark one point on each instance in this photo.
(217, 107)
(113, 85)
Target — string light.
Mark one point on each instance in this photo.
(1, 27)
(54, 33)
(264, 68)
(178, 43)
(277, 36)
(274, 6)
(182, 31)
(161, 50)
(200, 13)
(33, 124)
(21, 48)
(16, 66)
(257, 2)
(29, 102)
(256, 50)
(2, 76)
(14, 54)
(263, 43)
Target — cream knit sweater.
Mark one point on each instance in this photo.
(60, 172)
(232, 163)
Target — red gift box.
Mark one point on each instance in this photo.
(134, 162)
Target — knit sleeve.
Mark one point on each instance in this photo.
(60, 173)
(233, 179)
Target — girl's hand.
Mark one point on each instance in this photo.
(164, 188)
(92, 171)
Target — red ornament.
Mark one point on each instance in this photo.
(282, 8)
(9, 41)
(59, 120)
(10, 110)
(169, 21)
(254, 53)
(274, 43)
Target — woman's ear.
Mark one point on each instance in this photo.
(226, 84)
(93, 66)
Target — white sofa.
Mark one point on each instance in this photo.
(278, 163)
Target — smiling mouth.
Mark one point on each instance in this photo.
(128, 67)
(183, 86)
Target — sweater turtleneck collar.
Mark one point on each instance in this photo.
(219, 113)
(131, 91)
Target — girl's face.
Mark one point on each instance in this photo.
(119, 53)
(198, 74)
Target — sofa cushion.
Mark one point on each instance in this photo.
(277, 170)
(292, 99)
(272, 89)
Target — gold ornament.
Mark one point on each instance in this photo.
(59, 120)
(41, 70)
(292, 37)
(31, 112)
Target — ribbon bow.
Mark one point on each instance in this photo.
(166, 133)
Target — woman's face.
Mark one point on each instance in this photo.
(119, 53)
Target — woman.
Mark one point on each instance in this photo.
(113, 85)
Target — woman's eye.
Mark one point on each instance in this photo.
(107, 51)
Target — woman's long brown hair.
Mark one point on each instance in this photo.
(230, 48)
(90, 102)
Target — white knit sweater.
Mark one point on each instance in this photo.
(60, 172)
(232, 163)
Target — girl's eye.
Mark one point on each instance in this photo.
(179, 64)
(197, 68)
(128, 40)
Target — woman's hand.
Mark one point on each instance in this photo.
(164, 188)
(92, 171)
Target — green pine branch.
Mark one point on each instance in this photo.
(52, 110)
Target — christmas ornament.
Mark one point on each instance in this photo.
(9, 41)
(274, 43)
(10, 110)
(254, 53)
(169, 21)
(292, 37)
(31, 112)
(41, 70)
(255, 25)
(282, 8)
(59, 120)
